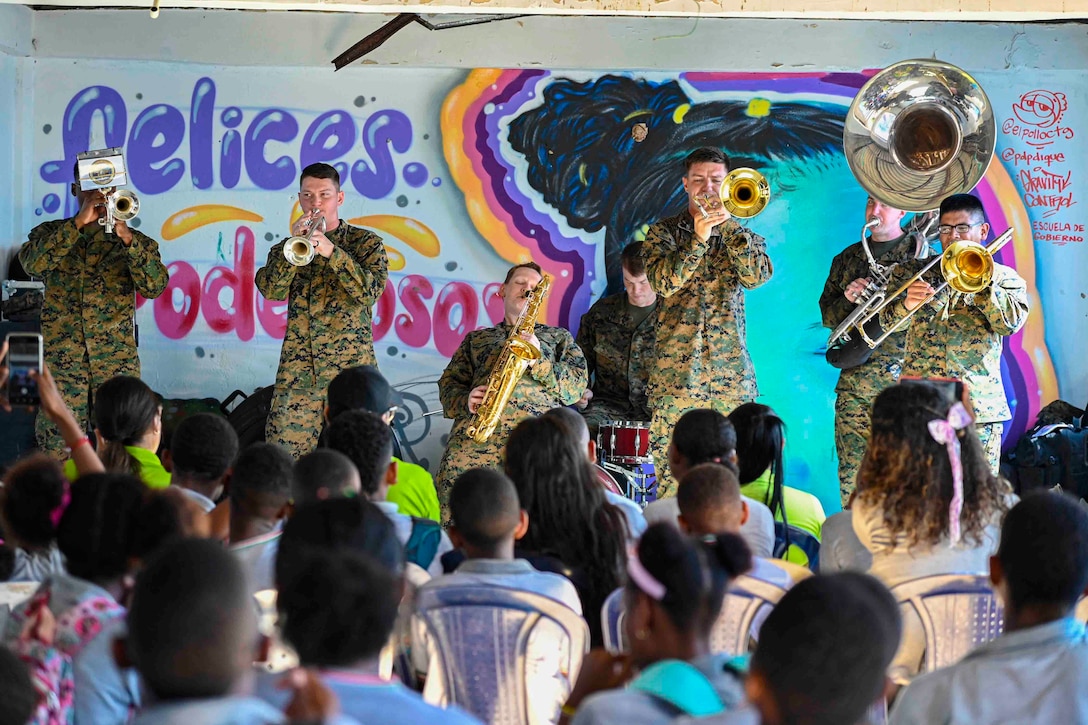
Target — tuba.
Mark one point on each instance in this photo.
(511, 364)
(744, 193)
(916, 132)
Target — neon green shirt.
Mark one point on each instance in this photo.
(151, 471)
(803, 510)
(414, 492)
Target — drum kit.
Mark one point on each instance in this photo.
(625, 464)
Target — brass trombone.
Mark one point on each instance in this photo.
(300, 251)
(744, 193)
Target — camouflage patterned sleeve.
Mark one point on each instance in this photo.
(748, 253)
(1006, 306)
(562, 370)
(149, 274)
(456, 382)
(834, 307)
(671, 261)
(274, 278)
(47, 244)
(587, 334)
(362, 266)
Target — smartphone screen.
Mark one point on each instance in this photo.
(24, 355)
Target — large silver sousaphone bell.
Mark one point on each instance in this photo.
(918, 131)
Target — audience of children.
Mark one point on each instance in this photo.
(926, 504)
(367, 440)
(569, 518)
(365, 388)
(704, 435)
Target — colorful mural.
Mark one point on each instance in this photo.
(465, 173)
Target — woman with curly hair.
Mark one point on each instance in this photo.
(569, 518)
(927, 502)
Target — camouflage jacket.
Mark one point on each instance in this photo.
(619, 356)
(959, 336)
(558, 378)
(329, 301)
(883, 367)
(701, 349)
(91, 279)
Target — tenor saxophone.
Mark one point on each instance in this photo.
(510, 366)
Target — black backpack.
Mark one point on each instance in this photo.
(248, 418)
(1054, 454)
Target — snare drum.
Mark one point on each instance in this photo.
(623, 441)
(610, 481)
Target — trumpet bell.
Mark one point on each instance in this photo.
(125, 204)
(745, 192)
(299, 251)
(918, 131)
(967, 266)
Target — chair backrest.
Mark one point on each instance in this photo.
(800, 538)
(612, 616)
(746, 605)
(507, 656)
(958, 613)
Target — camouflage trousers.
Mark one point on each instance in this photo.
(666, 411)
(463, 453)
(852, 416)
(295, 418)
(990, 435)
(77, 386)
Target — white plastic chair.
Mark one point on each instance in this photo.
(612, 616)
(488, 643)
(746, 605)
(958, 613)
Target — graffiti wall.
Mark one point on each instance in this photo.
(463, 173)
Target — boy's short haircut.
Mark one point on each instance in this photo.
(484, 507)
(1044, 550)
(367, 440)
(708, 487)
(321, 170)
(322, 470)
(204, 446)
(824, 648)
(192, 622)
(261, 481)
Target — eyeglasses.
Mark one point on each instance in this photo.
(946, 229)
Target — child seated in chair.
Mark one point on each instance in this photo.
(260, 497)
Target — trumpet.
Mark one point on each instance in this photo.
(744, 193)
(300, 251)
(121, 204)
(967, 267)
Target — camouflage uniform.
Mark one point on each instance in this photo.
(328, 327)
(558, 378)
(619, 357)
(702, 360)
(858, 386)
(91, 279)
(959, 336)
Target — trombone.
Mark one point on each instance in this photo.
(744, 193)
(967, 267)
(300, 251)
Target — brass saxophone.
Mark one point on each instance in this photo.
(510, 366)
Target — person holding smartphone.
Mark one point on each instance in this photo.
(91, 280)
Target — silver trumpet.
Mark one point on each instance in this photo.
(121, 204)
(300, 251)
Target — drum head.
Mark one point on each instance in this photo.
(611, 481)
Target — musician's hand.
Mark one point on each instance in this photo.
(917, 293)
(855, 288)
(476, 397)
(94, 206)
(301, 226)
(583, 402)
(704, 227)
(121, 230)
(322, 244)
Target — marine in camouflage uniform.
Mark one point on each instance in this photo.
(617, 336)
(857, 386)
(959, 335)
(557, 378)
(702, 357)
(328, 322)
(88, 329)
